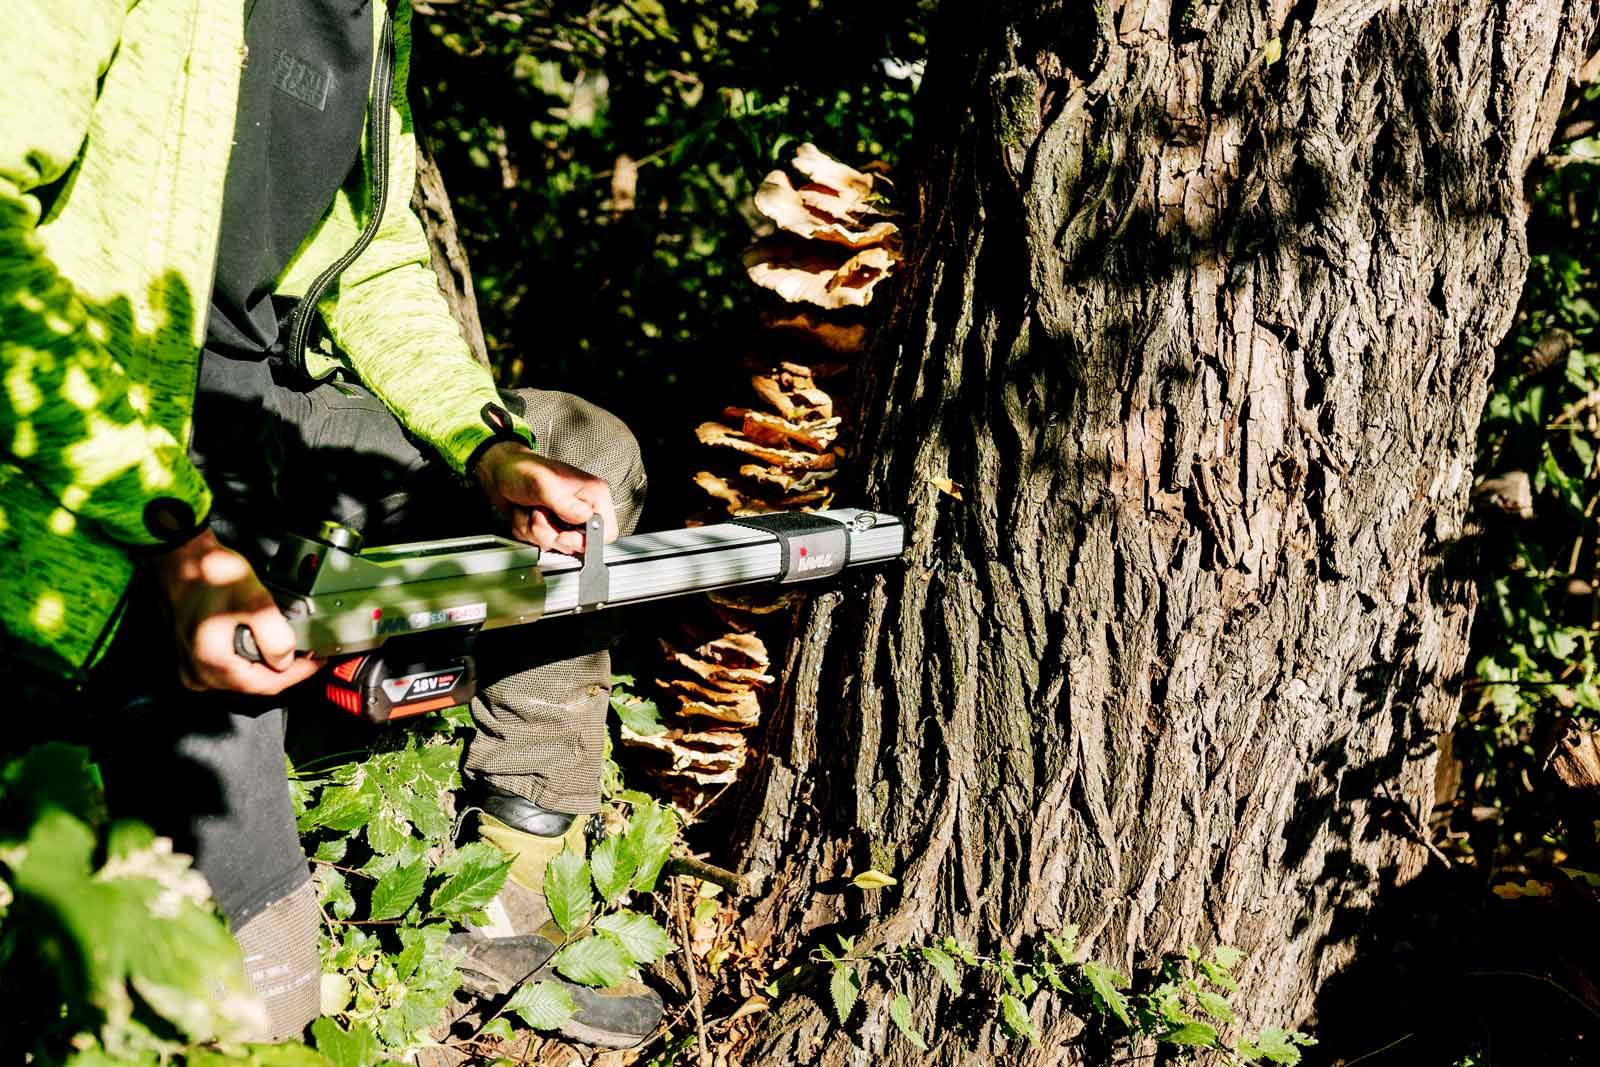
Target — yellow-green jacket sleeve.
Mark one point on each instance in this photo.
(392, 322)
(69, 417)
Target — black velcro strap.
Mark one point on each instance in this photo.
(809, 545)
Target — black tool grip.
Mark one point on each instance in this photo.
(244, 644)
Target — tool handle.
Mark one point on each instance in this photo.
(244, 644)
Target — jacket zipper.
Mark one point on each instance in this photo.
(378, 152)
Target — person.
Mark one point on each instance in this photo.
(219, 324)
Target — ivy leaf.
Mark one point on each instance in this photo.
(542, 1005)
(566, 890)
(871, 879)
(1105, 982)
(397, 891)
(900, 1014)
(597, 960)
(845, 987)
(357, 1047)
(613, 867)
(1016, 1018)
(941, 962)
(474, 875)
(641, 935)
(1202, 1035)
(648, 842)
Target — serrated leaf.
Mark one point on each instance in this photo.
(335, 894)
(566, 889)
(332, 851)
(1016, 1018)
(1227, 957)
(397, 891)
(333, 993)
(1275, 1045)
(870, 879)
(651, 831)
(845, 988)
(542, 1005)
(1215, 1004)
(597, 960)
(612, 866)
(1064, 943)
(357, 1047)
(641, 935)
(1201, 1035)
(500, 1027)
(638, 714)
(388, 830)
(941, 962)
(474, 875)
(341, 807)
(1106, 984)
(900, 1015)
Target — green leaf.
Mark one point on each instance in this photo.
(1064, 944)
(335, 894)
(341, 807)
(900, 1014)
(641, 935)
(845, 987)
(1275, 1045)
(1202, 1035)
(398, 890)
(332, 851)
(1015, 1015)
(1215, 1004)
(651, 831)
(542, 1005)
(388, 831)
(357, 1047)
(566, 889)
(1105, 982)
(501, 1027)
(597, 960)
(638, 714)
(870, 879)
(474, 874)
(58, 775)
(941, 962)
(612, 867)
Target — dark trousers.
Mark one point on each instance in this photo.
(208, 768)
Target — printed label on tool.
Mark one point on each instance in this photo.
(385, 625)
(415, 686)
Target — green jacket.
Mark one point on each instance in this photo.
(116, 119)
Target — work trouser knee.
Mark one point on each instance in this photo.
(541, 707)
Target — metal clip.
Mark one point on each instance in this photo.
(594, 581)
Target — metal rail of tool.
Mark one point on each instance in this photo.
(340, 599)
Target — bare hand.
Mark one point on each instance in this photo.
(546, 501)
(211, 590)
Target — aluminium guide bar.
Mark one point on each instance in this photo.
(339, 600)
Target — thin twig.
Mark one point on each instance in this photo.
(1379, 1051)
(1553, 984)
(690, 867)
(694, 976)
(1417, 831)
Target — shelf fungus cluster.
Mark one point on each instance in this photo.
(777, 448)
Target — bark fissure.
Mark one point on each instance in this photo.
(1201, 318)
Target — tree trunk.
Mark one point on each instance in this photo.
(1200, 315)
(432, 205)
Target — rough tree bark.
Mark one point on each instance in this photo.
(1200, 313)
(431, 203)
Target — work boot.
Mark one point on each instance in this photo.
(516, 945)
